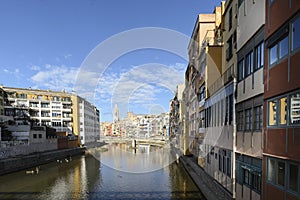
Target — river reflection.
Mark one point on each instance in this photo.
(86, 178)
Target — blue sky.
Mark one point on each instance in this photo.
(45, 44)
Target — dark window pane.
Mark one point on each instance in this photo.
(246, 177)
(296, 33)
(293, 178)
(228, 166)
(262, 55)
(280, 173)
(241, 70)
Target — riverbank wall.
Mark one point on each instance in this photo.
(206, 184)
(23, 162)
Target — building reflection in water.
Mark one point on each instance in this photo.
(143, 158)
(87, 178)
(67, 180)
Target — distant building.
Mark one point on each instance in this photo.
(66, 112)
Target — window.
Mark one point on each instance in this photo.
(258, 122)
(23, 96)
(201, 94)
(278, 50)
(272, 112)
(273, 54)
(222, 112)
(40, 135)
(56, 123)
(256, 181)
(283, 47)
(45, 105)
(241, 74)
(248, 119)
(34, 136)
(226, 110)
(230, 109)
(229, 49)
(271, 170)
(224, 163)
(202, 119)
(229, 165)
(284, 174)
(295, 109)
(283, 110)
(240, 121)
(280, 173)
(279, 109)
(249, 64)
(246, 177)
(259, 56)
(55, 98)
(293, 177)
(230, 19)
(295, 34)
(220, 162)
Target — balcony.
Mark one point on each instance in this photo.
(67, 118)
(62, 129)
(213, 38)
(67, 108)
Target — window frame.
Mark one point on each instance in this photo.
(249, 63)
(292, 50)
(277, 44)
(289, 110)
(288, 178)
(278, 110)
(286, 186)
(249, 111)
(240, 121)
(258, 112)
(241, 69)
(259, 56)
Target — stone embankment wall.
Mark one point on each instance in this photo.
(48, 145)
(28, 161)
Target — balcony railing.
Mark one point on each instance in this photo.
(212, 39)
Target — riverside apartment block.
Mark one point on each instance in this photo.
(65, 112)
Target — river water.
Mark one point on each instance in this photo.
(111, 172)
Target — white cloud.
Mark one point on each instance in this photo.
(55, 77)
(67, 56)
(35, 68)
(139, 86)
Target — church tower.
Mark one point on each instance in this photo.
(116, 113)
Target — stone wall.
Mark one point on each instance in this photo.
(28, 161)
(49, 144)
